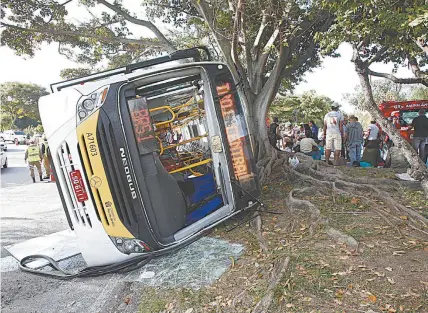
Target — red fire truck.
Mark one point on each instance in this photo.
(402, 114)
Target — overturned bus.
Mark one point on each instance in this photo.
(149, 156)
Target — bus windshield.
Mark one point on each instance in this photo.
(408, 116)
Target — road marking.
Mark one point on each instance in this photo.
(105, 293)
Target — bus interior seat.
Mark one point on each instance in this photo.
(170, 210)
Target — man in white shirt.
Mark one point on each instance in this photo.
(372, 135)
(333, 130)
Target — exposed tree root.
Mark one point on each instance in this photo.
(314, 177)
(307, 174)
(279, 270)
(256, 226)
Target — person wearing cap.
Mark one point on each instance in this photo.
(45, 153)
(333, 130)
(395, 117)
(34, 156)
(353, 140)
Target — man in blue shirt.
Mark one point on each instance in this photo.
(314, 129)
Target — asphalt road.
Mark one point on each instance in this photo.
(28, 210)
(17, 172)
(31, 210)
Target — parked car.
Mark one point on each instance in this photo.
(3, 159)
(37, 138)
(14, 135)
(3, 145)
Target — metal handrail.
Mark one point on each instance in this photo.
(188, 167)
(165, 108)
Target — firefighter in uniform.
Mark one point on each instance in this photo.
(34, 155)
(45, 154)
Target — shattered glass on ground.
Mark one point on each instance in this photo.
(194, 266)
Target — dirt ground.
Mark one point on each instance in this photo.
(387, 272)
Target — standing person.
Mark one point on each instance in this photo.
(45, 154)
(34, 156)
(314, 129)
(274, 133)
(420, 136)
(344, 151)
(373, 134)
(353, 140)
(333, 130)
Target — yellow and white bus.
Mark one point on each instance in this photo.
(149, 156)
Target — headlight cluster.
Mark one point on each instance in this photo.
(87, 104)
(128, 246)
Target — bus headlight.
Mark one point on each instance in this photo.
(88, 104)
(128, 245)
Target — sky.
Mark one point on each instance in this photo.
(333, 79)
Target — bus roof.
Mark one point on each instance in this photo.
(192, 53)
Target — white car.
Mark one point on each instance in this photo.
(3, 145)
(13, 135)
(3, 158)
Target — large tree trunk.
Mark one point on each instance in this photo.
(257, 115)
(418, 170)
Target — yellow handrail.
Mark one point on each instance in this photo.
(191, 166)
(184, 142)
(160, 145)
(166, 108)
(162, 148)
(187, 104)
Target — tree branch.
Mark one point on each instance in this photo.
(416, 80)
(222, 41)
(423, 45)
(255, 50)
(300, 61)
(414, 66)
(167, 44)
(239, 27)
(259, 68)
(145, 42)
(377, 56)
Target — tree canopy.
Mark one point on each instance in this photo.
(301, 109)
(20, 101)
(381, 31)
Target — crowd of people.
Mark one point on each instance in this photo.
(343, 137)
